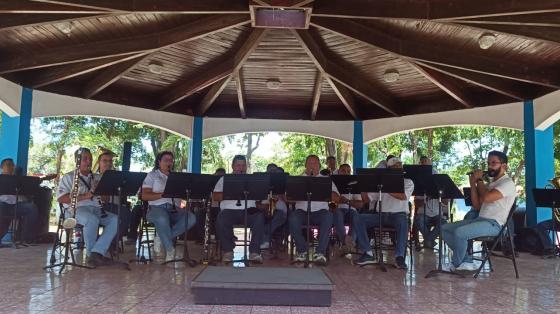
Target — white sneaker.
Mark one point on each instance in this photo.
(256, 258)
(320, 259)
(170, 255)
(300, 257)
(265, 245)
(467, 266)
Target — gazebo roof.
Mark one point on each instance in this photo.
(285, 59)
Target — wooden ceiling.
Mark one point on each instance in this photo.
(211, 58)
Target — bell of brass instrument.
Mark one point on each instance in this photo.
(71, 222)
(554, 183)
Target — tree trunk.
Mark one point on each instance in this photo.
(517, 173)
(414, 144)
(251, 149)
(430, 143)
(331, 147)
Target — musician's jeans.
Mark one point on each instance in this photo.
(425, 224)
(27, 211)
(545, 232)
(470, 215)
(270, 226)
(457, 234)
(169, 223)
(90, 218)
(125, 216)
(228, 218)
(339, 216)
(298, 219)
(398, 221)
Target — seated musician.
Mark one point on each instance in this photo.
(27, 210)
(89, 211)
(232, 213)
(280, 214)
(383, 163)
(111, 203)
(426, 214)
(347, 209)
(320, 215)
(331, 167)
(492, 201)
(394, 210)
(165, 213)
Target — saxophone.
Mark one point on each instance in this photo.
(70, 222)
(555, 184)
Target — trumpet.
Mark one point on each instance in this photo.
(554, 183)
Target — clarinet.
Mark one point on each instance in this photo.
(71, 222)
(205, 256)
(103, 212)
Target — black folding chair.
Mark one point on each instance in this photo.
(506, 233)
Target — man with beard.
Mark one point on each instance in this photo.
(493, 202)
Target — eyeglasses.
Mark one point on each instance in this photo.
(494, 163)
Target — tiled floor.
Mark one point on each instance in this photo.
(26, 287)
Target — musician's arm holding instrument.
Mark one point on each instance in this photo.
(480, 192)
(352, 202)
(149, 195)
(65, 199)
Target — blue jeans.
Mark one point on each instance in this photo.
(298, 219)
(425, 223)
(169, 223)
(340, 215)
(90, 218)
(277, 221)
(398, 221)
(124, 216)
(457, 234)
(27, 211)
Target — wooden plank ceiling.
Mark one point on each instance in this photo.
(358, 59)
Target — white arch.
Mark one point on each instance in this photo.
(506, 116)
(547, 110)
(338, 130)
(48, 105)
(10, 97)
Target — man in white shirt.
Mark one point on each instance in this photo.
(320, 215)
(394, 210)
(28, 211)
(347, 208)
(280, 215)
(493, 201)
(88, 211)
(232, 213)
(426, 214)
(331, 167)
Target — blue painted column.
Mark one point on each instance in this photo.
(539, 163)
(16, 132)
(359, 149)
(195, 151)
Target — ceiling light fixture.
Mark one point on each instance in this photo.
(65, 27)
(273, 84)
(391, 76)
(155, 67)
(486, 40)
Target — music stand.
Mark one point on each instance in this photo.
(246, 187)
(443, 187)
(549, 198)
(467, 195)
(309, 189)
(188, 186)
(122, 184)
(18, 185)
(382, 180)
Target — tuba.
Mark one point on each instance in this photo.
(71, 222)
(554, 183)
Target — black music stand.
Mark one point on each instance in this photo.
(122, 184)
(382, 180)
(443, 187)
(309, 189)
(549, 198)
(18, 185)
(188, 186)
(246, 187)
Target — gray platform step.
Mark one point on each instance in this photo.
(262, 286)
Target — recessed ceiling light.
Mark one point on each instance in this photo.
(391, 76)
(65, 27)
(486, 40)
(155, 67)
(273, 84)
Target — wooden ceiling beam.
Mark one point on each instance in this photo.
(338, 71)
(504, 87)
(14, 21)
(346, 98)
(64, 72)
(121, 46)
(445, 84)
(159, 6)
(316, 94)
(430, 10)
(407, 47)
(544, 33)
(537, 19)
(212, 73)
(241, 96)
(213, 93)
(34, 7)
